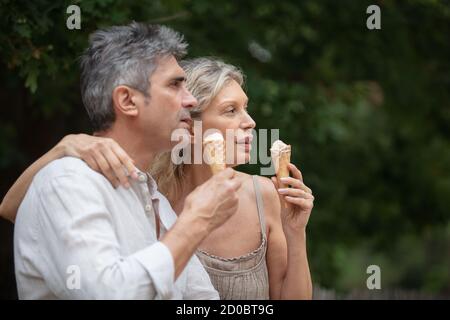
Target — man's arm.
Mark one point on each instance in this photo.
(205, 209)
(76, 231)
(198, 284)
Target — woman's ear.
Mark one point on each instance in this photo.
(124, 99)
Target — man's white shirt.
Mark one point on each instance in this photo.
(76, 237)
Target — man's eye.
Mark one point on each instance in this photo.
(175, 84)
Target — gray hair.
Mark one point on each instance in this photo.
(205, 77)
(123, 55)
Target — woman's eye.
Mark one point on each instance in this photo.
(231, 110)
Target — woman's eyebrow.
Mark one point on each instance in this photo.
(232, 101)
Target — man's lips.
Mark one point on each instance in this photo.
(187, 120)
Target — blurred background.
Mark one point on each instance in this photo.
(366, 111)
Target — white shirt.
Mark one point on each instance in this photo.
(76, 237)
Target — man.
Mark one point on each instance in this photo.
(76, 237)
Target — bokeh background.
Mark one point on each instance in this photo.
(366, 111)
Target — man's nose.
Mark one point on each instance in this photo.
(189, 100)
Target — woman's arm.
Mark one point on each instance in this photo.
(101, 154)
(15, 195)
(287, 259)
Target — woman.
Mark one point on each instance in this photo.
(260, 252)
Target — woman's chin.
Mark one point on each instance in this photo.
(238, 161)
(242, 158)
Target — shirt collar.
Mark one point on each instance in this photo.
(166, 213)
(145, 177)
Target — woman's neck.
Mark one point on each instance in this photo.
(196, 174)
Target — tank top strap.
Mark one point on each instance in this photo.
(259, 205)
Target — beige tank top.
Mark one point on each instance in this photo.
(244, 277)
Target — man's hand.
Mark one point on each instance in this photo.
(213, 202)
(205, 208)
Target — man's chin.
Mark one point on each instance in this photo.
(180, 133)
(184, 125)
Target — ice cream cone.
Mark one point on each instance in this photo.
(281, 157)
(283, 161)
(214, 148)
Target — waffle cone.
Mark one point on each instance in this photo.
(283, 160)
(215, 155)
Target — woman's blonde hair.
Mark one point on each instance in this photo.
(205, 78)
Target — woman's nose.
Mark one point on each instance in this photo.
(248, 122)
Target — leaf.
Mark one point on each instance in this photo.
(31, 81)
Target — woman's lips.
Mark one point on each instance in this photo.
(245, 142)
(247, 139)
(247, 146)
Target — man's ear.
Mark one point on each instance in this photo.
(124, 99)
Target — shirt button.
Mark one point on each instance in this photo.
(142, 178)
(148, 208)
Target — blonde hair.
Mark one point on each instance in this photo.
(205, 78)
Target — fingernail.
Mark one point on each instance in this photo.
(283, 179)
(127, 185)
(282, 191)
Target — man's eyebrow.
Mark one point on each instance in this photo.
(180, 79)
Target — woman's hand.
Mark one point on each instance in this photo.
(299, 200)
(103, 155)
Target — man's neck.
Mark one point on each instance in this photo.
(135, 146)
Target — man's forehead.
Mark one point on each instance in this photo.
(168, 67)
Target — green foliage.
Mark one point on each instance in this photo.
(367, 112)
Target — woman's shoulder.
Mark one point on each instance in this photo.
(271, 201)
(266, 185)
(268, 192)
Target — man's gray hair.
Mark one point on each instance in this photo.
(123, 55)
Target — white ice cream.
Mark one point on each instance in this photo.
(216, 136)
(277, 147)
